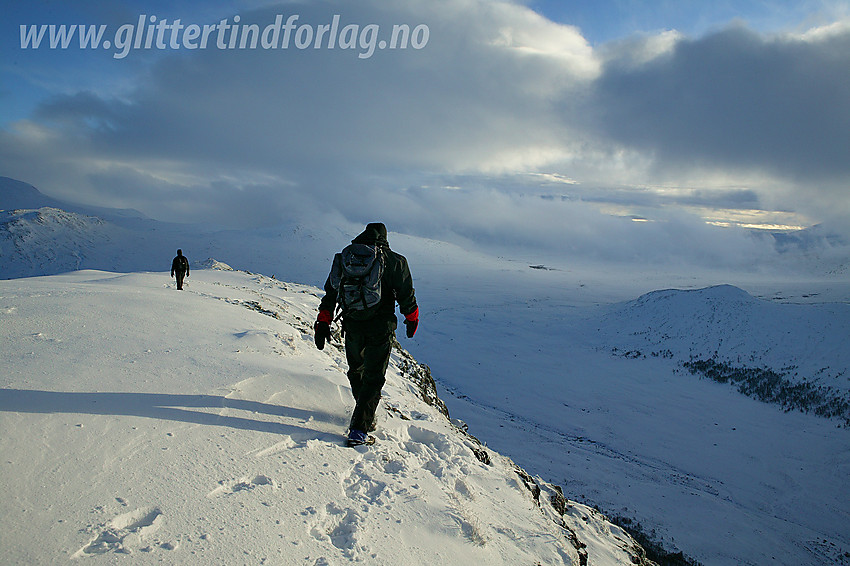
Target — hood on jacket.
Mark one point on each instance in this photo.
(374, 234)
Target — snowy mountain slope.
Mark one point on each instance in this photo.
(727, 322)
(726, 333)
(42, 236)
(47, 241)
(204, 427)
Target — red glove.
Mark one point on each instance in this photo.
(322, 328)
(411, 321)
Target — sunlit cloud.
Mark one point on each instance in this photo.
(506, 128)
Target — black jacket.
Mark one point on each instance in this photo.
(396, 285)
(180, 263)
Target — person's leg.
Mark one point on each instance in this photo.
(354, 343)
(366, 383)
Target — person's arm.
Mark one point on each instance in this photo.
(403, 287)
(328, 302)
(405, 295)
(322, 326)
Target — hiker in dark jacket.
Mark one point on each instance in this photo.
(369, 336)
(180, 268)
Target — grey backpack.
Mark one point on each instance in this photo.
(356, 275)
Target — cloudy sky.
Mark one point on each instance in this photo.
(602, 127)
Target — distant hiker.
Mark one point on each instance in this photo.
(366, 280)
(180, 268)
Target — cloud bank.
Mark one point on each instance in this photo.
(505, 127)
(735, 101)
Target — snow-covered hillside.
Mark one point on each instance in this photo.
(50, 240)
(730, 323)
(204, 426)
(791, 354)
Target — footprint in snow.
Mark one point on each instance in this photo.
(360, 484)
(339, 527)
(244, 484)
(126, 533)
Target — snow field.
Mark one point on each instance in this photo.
(203, 426)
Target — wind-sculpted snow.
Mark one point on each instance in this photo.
(203, 427)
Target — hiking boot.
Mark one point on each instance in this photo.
(358, 438)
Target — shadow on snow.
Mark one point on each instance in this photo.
(174, 407)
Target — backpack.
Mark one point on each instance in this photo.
(356, 275)
(180, 263)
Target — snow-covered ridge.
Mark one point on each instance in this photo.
(204, 426)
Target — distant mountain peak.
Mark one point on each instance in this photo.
(16, 194)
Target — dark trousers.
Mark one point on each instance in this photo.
(180, 275)
(368, 356)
